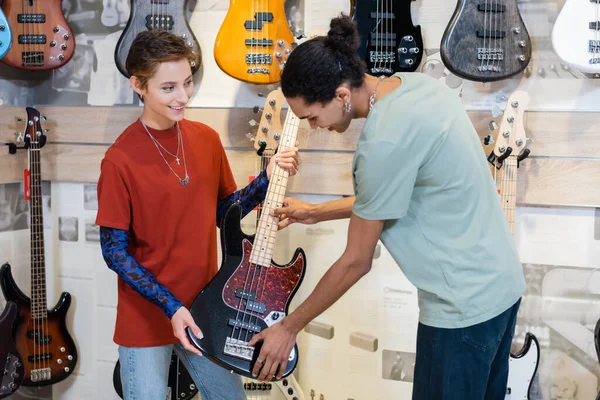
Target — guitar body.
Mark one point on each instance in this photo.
(156, 14)
(575, 37)
(522, 369)
(5, 34)
(254, 41)
(473, 51)
(255, 297)
(390, 42)
(42, 39)
(10, 360)
(181, 386)
(56, 342)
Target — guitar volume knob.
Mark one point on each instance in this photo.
(53, 43)
(70, 357)
(66, 36)
(59, 361)
(517, 30)
(63, 46)
(55, 29)
(2, 28)
(62, 349)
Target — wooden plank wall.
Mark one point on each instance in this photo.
(563, 169)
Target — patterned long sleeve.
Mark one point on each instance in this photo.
(114, 250)
(249, 197)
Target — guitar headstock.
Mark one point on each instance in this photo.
(511, 139)
(34, 134)
(270, 126)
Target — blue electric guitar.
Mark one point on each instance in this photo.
(5, 34)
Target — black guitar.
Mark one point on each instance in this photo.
(390, 42)
(486, 40)
(10, 359)
(46, 346)
(250, 292)
(156, 14)
(181, 386)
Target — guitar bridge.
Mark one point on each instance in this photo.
(42, 374)
(238, 348)
(594, 46)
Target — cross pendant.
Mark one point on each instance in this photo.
(177, 159)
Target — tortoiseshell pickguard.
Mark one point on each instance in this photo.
(273, 285)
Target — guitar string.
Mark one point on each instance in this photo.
(288, 139)
(395, 41)
(377, 55)
(484, 49)
(596, 42)
(388, 35)
(34, 273)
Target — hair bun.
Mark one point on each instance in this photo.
(343, 35)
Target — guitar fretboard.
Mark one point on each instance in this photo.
(264, 240)
(39, 307)
(508, 190)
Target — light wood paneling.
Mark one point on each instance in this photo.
(564, 167)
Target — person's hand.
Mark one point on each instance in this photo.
(287, 159)
(181, 320)
(294, 210)
(278, 342)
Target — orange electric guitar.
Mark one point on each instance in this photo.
(41, 39)
(254, 41)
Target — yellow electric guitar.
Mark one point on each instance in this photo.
(254, 41)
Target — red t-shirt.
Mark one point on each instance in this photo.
(173, 228)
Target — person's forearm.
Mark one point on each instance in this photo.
(342, 275)
(335, 209)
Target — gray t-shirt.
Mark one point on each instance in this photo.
(420, 166)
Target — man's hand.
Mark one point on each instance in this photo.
(295, 210)
(278, 342)
(287, 159)
(181, 320)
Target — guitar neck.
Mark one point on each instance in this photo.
(264, 162)
(264, 240)
(39, 307)
(508, 190)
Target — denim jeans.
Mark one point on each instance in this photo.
(144, 374)
(465, 363)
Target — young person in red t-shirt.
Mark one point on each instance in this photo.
(164, 185)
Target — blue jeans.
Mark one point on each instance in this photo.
(144, 374)
(466, 363)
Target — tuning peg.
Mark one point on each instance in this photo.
(300, 35)
(44, 117)
(252, 122)
(19, 136)
(46, 130)
(259, 94)
(492, 126)
(488, 140)
(257, 109)
(250, 136)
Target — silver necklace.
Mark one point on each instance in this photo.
(176, 155)
(374, 95)
(185, 181)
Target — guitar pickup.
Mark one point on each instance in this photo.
(164, 22)
(31, 18)
(256, 307)
(244, 325)
(242, 294)
(497, 8)
(259, 42)
(32, 58)
(381, 15)
(40, 357)
(491, 34)
(39, 339)
(259, 19)
(595, 25)
(32, 39)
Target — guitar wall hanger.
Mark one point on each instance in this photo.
(23, 142)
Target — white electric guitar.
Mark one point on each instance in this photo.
(576, 35)
(509, 151)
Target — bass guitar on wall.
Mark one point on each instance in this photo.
(41, 39)
(169, 15)
(10, 359)
(509, 151)
(254, 41)
(390, 42)
(486, 40)
(5, 34)
(48, 350)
